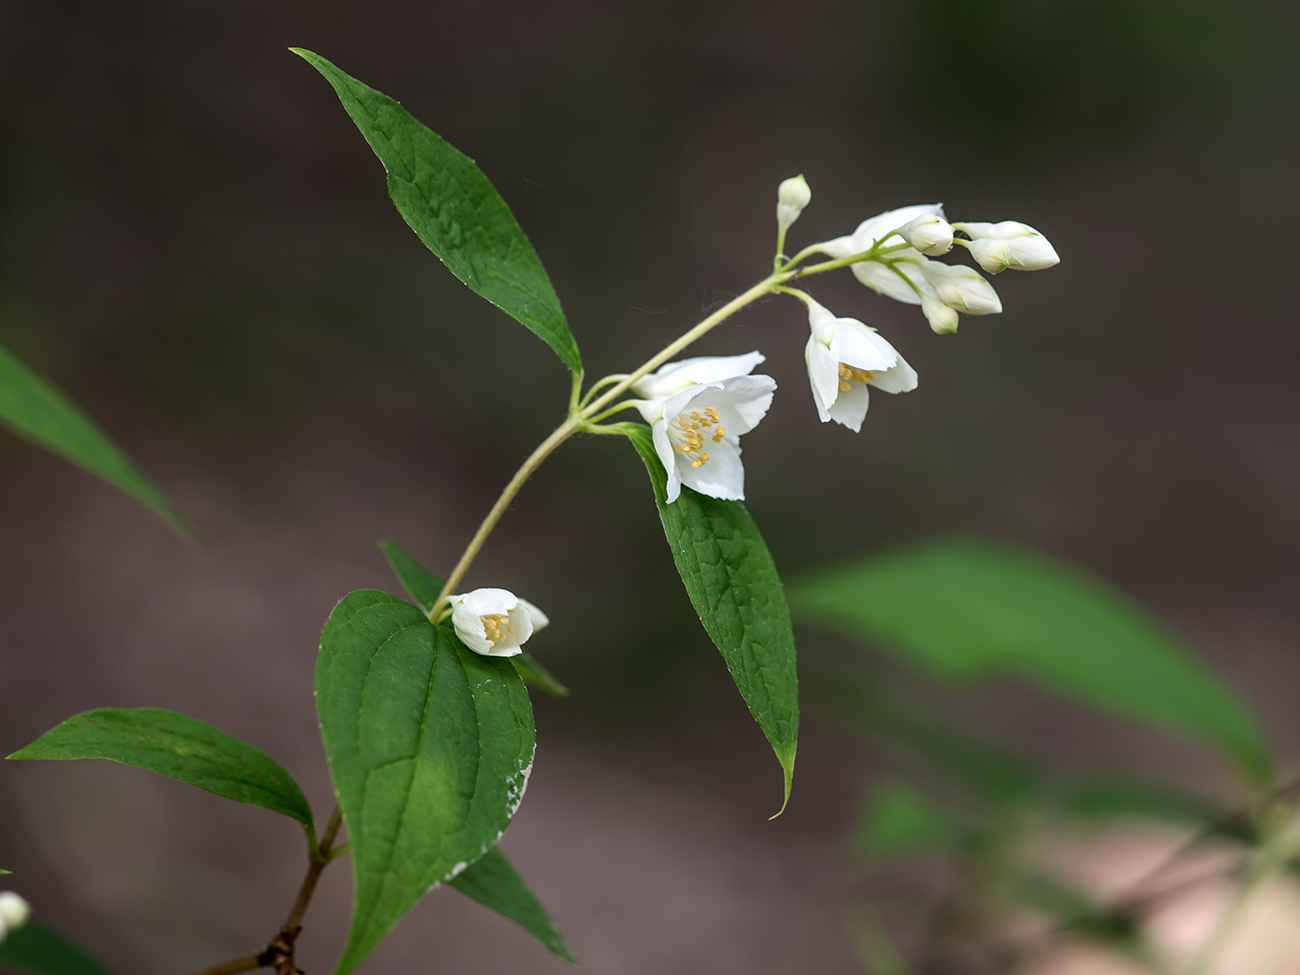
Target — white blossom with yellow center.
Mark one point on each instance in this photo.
(495, 622)
(844, 357)
(697, 410)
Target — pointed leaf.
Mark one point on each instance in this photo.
(531, 670)
(962, 610)
(494, 883)
(429, 745)
(453, 208)
(37, 948)
(179, 747)
(732, 581)
(36, 410)
(422, 585)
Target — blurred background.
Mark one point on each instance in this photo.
(196, 243)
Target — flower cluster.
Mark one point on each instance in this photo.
(14, 912)
(698, 408)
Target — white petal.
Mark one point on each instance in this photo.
(883, 279)
(900, 379)
(721, 476)
(873, 228)
(539, 619)
(823, 376)
(858, 346)
(484, 602)
(1032, 253)
(14, 912)
(850, 407)
(712, 368)
(992, 255)
(841, 246)
(742, 402)
(962, 287)
(667, 457)
(651, 410)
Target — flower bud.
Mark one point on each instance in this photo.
(942, 317)
(1028, 249)
(962, 287)
(992, 255)
(930, 234)
(791, 197)
(14, 912)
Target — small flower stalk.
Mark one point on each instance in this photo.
(14, 912)
(495, 622)
(698, 409)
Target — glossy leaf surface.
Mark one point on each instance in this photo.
(494, 883)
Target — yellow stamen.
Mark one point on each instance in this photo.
(492, 623)
(718, 435)
(700, 461)
(849, 375)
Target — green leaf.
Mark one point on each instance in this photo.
(898, 821)
(962, 610)
(453, 208)
(45, 416)
(1107, 797)
(179, 747)
(37, 948)
(429, 745)
(422, 584)
(534, 673)
(732, 581)
(494, 883)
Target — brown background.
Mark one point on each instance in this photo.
(195, 242)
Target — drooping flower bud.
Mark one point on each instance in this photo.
(1027, 248)
(962, 287)
(930, 234)
(14, 912)
(992, 255)
(791, 197)
(942, 317)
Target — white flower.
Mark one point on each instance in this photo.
(14, 912)
(929, 233)
(942, 318)
(697, 410)
(845, 357)
(1009, 244)
(877, 275)
(494, 622)
(791, 197)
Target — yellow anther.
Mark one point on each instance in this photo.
(844, 387)
(718, 435)
(850, 374)
(492, 623)
(700, 461)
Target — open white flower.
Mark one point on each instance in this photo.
(495, 622)
(1009, 244)
(844, 357)
(14, 912)
(697, 410)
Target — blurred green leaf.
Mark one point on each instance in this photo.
(453, 208)
(179, 747)
(733, 584)
(422, 584)
(45, 416)
(534, 673)
(37, 948)
(898, 820)
(997, 775)
(429, 745)
(494, 883)
(963, 610)
(1107, 797)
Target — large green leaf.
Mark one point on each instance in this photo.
(962, 610)
(732, 581)
(37, 948)
(430, 746)
(42, 414)
(423, 586)
(494, 883)
(177, 746)
(453, 208)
